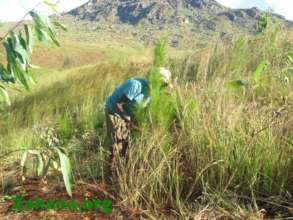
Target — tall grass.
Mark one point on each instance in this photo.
(204, 145)
(224, 144)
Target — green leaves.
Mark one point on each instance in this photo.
(43, 164)
(236, 84)
(262, 23)
(44, 29)
(260, 69)
(57, 24)
(40, 166)
(38, 20)
(66, 170)
(16, 49)
(19, 46)
(40, 161)
(29, 38)
(160, 53)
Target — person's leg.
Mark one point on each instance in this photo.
(110, 122)
(124, 133)
(119, 134)
(121, 143)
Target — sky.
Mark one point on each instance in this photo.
(14, 10)
(282, 7)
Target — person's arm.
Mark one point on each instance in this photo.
(119, 107)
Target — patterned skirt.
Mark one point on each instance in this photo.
(119, 133)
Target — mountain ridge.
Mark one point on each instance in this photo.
(202, 17)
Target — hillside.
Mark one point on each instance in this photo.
(177, 20)
(217, 145)
(223, 133)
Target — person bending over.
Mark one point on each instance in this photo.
(119, 110)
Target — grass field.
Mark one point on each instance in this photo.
(216, 148)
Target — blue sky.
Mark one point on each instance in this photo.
(13, 10)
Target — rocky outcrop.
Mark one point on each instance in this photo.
(208, 15)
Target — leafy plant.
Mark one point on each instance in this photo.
(52, 155)
(261, 67)
(287, 71)
(236, 84)
(263, 21)
(162, 108)
(19, 44)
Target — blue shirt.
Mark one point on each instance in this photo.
(135, 89)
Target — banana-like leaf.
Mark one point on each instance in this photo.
(260, 69)
(66, 170)
(29, 38)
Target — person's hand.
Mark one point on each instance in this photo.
(173, 84)
(133, 126)
(127, 118)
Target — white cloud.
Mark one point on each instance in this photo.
(14, 10)
(283, 7)
(231, 3)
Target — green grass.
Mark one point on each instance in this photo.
(227, 149)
